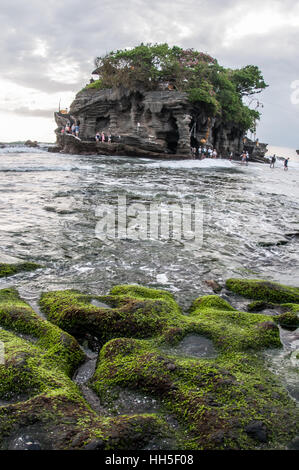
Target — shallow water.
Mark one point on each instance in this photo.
(48, 215)
(50, 211)
(193, 346)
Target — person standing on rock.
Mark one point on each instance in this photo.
(103, 137)
(77, 130)
(97, 137)
(214, 153)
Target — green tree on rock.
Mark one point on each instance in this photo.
(217, 90)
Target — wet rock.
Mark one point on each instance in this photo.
(96, 444)
(257, 430)
(214, 286)
(30, 143)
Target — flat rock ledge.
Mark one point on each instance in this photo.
(73, 145)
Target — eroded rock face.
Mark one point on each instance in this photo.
(162, 122)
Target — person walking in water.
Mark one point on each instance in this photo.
(273, 160)
(286, 163)
(247, 158)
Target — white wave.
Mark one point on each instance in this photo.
(187, 164)
(21, 149)
(41, 169)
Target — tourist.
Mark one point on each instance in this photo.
(97, 137)
(247, 158)
(73, 129)
(243, 156)
(286, 162)
(204, 152)
(214, 153)
(210, 152)
(231, 156)
(103, 137)
(77, 130)
(109, 138)
(273, 160)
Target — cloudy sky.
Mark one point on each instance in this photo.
(48, 48)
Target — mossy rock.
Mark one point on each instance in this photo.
(38, 397)
(288, 319)
(12, 269)
(217, 402)
(135, 311)
(264, 290)
(230, 329)
(18, 316)
(214, 400)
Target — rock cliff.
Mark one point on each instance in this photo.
(161, 122)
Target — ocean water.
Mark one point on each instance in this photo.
(51, 205)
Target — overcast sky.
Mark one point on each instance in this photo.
(48, 48)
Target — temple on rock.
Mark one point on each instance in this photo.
(158, 101)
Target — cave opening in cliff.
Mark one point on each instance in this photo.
(193, 134)
(172, 135)
(102, 123)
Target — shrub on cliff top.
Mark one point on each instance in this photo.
(217, 89)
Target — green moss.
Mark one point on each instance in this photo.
(210, 398)
(210, 301)
(264, 290)
(137, 312)
(288, 319)
(11, 269)
(213, 400)
(41, 395)
(59, 346)
(231, 330)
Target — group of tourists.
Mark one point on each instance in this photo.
(245, 158)
(102, 138)
(71, 128)
(204, 152)
(285, 163)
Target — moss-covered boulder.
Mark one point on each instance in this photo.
(8, 269)
(288, 320)
(215, 401)
(226, 402)
(264, 290)
(16, 315)
(40, 402)
(135, 311)
(230, 329)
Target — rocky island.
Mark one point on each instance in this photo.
(160, 102)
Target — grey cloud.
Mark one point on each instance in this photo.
(24, 111)
(77, 31)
